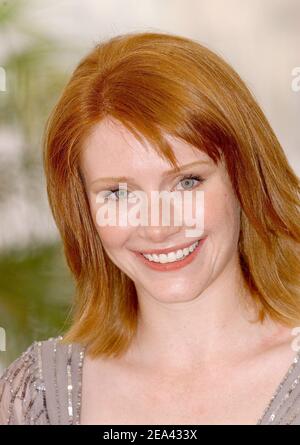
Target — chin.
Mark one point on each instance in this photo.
(184, 296)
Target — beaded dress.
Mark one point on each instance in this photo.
(43, 386)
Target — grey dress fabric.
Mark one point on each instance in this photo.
(43, 386)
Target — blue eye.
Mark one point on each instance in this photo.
(191, 177)
(112, 195)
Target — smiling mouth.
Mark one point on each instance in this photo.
(173, 256)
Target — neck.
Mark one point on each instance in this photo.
(215, 326)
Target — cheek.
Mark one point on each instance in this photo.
(221, 211)
(112, 237)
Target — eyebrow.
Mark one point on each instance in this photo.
(166, 173)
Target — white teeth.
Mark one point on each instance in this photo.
(179, 254)
(171, 256)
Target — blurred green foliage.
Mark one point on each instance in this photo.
(35, 293)
(35, 285)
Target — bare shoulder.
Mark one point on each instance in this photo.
(265, 369)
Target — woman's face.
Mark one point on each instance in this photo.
(112, 151)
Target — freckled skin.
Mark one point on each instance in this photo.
(193, 324)
(221, 211)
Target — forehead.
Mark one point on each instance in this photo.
(112, 148)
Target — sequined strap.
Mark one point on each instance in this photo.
(62, 365)
(43, 385)
(284, 406)
(22, 392)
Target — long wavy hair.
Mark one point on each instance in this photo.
(155, 83)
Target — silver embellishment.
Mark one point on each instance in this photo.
(272, 416)
(70, 385)
(79, 393)
(41, 383)
(283, 419)
(40, 386)
(55, 380)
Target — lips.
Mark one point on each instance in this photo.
(167, 250)
(173, 266)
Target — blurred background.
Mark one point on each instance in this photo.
(41, 43)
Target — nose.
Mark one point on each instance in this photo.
(159, 231)
(158, 234)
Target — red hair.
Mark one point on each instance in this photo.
(154, 83)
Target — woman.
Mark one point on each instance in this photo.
(203, 335)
